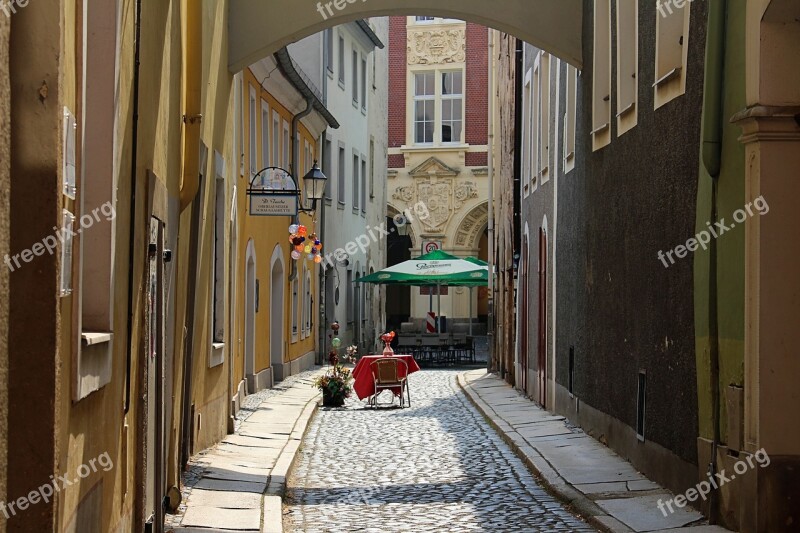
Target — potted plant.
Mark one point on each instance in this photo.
(335, 384)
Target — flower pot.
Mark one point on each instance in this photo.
(331, 400)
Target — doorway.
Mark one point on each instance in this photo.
(541, 368)
(276, 313)
(250, 317)
(524, 317)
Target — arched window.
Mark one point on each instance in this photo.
(309, 320)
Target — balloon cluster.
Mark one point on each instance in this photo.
(303, 243)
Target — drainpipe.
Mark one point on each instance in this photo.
(711, 156)
(190, 185)
(490, 164)
(192, 48)
(132, 222)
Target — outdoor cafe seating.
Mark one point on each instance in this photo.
(438, 349)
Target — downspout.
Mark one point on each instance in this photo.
(132, 222)
(192, 118)
(190, 184)
(711, 157)
(490, 230)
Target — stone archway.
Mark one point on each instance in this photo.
(262, 28)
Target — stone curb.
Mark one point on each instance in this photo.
(272, 505)
(550, 479)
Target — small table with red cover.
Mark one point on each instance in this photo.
(364, 384)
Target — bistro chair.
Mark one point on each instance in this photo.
(386, 372)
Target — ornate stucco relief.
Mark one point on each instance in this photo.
(437, 46)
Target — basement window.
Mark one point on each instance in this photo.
(641, 404)
(601, 90)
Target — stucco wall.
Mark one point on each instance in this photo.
(5, 163)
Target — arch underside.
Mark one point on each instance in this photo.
(260, 28)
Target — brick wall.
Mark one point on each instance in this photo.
(477, 92)
(397, 88)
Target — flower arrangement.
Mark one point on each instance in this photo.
(387, 339)
(336, 384)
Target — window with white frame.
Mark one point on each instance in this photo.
(286, 146)
(424, 19)
(253, 133)
(341, 177)
(363, 84)
(327, 156)
(570, 118)
(355, 87)
(436, 20)
(452, 84)
(276, 139)
(356, 179)
(672, 35)
(627, 64)
(527, 129)
(350, 297)
(302, 310)
(295, 307)
(543, 169)
(363, 185)
(309, 316)
(536, 118)
(218, 308)
(601, 90)
(341, 61)
(424, 107)
(329, 51)
(265, 146)
(371, 169)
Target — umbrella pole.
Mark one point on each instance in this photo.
(470, 311)
(439, 309)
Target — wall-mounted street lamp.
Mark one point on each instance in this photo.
(274, 192)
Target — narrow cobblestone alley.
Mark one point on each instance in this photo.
(437, 466)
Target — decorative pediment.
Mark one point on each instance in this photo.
(436, 47)
(434, 167)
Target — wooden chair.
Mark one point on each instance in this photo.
(387, 374)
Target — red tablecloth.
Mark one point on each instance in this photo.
(364, 384)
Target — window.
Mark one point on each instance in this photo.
(309, 317)
(326, 167)
(627, 64)
(363, 185)
(424, 19)
(341, 61)
(329, 51)
(264, 135)
(350, 297)
(601, 91)
(371, 169)
(527, 129)
(435, 20)
(536, 117)
(672, 32)
(355, 78)
(424, 103)
(218, 309)
(363, 84)
(286, 141)
(356, 167)
(295, 308)
(543, 169)
(253, 133)
(276, 139)
(452, 106)
(341, 175)
(570, 118)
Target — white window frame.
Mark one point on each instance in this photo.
(356, 87)
(253, 131)
(570, 119)
(441, 97)
(276, 138)
(527, 131)
(308, 321)
(672, 52)
(601, 80)
(217, 278)
(356, 179)
(363, 83)
(627, 65)
(341, 175)
(295, 309)
(543, 170)
(265, 137)
(363, 185)
(287, 153)
(536, 122)
(423, 98)
(342, 57)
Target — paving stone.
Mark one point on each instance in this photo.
(437, 466)
(642, 513)
(236, 519)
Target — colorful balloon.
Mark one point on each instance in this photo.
(318, 259)
(336, 342)
(293, 228)
(302, 231)
(295, 255)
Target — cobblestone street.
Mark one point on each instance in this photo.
(437, 466)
